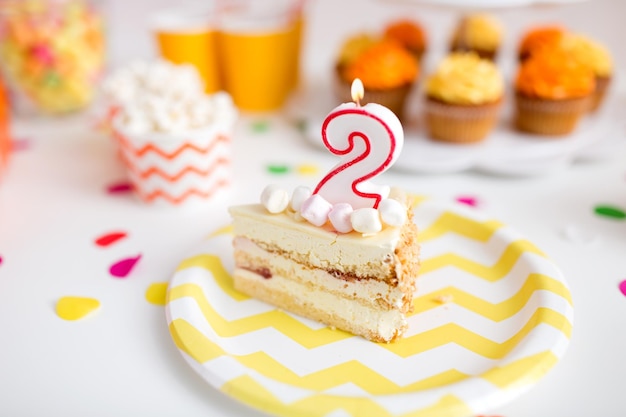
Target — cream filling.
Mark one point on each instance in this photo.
(366, 291)
(367, 317)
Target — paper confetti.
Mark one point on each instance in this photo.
(119, 187)
(622, 287)
(0, 260)
(467, 200)
(260, 126)
(109, 238)
(277, 169)
(75, 308)
(20, 144)
(307, 169)
(155, 294)
(122, 268)
(610, 212)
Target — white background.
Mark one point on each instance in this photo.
(122, 362)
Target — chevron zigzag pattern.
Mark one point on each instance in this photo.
(508, 322)
(177, 171)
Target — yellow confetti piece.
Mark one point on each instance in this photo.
(75, 308)
(155, 294)
(307, 169)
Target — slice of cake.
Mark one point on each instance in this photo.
(345, 253)
(360, 283)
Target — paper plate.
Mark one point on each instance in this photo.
(491, 3)
(492, 316)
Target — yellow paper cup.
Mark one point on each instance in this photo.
(259, 52)
(188, 35)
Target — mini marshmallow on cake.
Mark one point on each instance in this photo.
(173, 138)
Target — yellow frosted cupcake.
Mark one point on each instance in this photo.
(463, 98)
(552, 92)
(388, 71)
(480, 33)
(598, 58)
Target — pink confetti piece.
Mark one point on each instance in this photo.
(109, 238)
(20, 144)
(120, 187)
(0, 260)
(467, 200)
(122, 268)
(622, 287)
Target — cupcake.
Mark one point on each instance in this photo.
(552, 92)
(463, 98)
(409, 34)
(538, 38)
(174, 139)
(591, 53)
(480, 33)
(388, 72)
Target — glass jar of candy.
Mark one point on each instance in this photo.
(51, 53)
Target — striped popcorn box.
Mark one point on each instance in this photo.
(176, 167)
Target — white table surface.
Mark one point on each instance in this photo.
(122, 362)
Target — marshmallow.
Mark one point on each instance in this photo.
(300, 194)
(316, 209)
(275, 199)
(392, 212)
(366, 220)
(339, 217)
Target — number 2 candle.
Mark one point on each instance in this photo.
(369, 140)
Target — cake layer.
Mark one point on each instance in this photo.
(368, 292)
(373, 323)
(386, 255)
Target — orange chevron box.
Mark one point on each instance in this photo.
(176, 168)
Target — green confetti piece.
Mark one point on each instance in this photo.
(278, 169)
(609, 211)
(260, 126)
(301, 125)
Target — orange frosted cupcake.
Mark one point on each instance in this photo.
(409, 34)
(553, 91)
(538, 38)
(388, 72)
(463, 98)
(598, 58)
(480, 33)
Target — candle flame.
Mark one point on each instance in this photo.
(357, 90)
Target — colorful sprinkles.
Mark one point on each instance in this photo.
(278, 169)
(122, 268)
(109, 238)
(119, 187)
(260, 126)
(155, 294)
(74, 308)
(467, 200)
(611, 212)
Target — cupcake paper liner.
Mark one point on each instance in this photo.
(549, 117)
(460, 123)
(602, 86)
(176, 168)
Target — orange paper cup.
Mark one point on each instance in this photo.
(189, 36)
(259, 52)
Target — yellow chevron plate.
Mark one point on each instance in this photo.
(492, 316)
